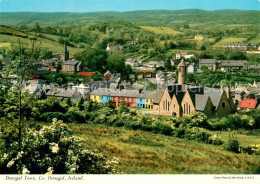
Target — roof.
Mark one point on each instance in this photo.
(208, 61)
(232, 63)
(158, 96)
(71, 62)
(254, 67)
(86, 74)
(214, 94)
(182, 63)
(5, 61)
(248, 103)
(201, 102)
(35, 76)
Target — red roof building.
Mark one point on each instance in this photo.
(107, 76)
(86, 74)
(35, 76)
(248, 104)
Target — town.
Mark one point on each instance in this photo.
(142, 92)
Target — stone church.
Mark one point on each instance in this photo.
(181, 100)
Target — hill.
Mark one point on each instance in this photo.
(168, 18)
(147, 153)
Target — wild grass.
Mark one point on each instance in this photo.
(147, 153)
(229, 40)
(161, 30)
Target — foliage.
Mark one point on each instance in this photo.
(232, 145)
(53, 150)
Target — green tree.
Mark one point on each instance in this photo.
(237, 55)
(23, 55)
(232, 145)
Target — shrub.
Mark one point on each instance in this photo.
(53, 150)
(232, 145)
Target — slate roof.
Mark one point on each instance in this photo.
(71, 62)
(248, 103)
(253, 90)
(158, 96)
(214, 94)
(200, 102)
(256, 67)
(234, 63)
(208, 61)
(62, 93)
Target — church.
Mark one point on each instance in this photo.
(182, 100)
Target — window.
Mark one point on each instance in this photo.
(189, 109)
(184, 109)
(163, 105)
(223, 105)
(168, 106)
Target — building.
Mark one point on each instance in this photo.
(199, 37)
(190, 67)
(84, 90)
(154, 64)
(184, 55)
(211, 64)
(240, 46)
(86, 74)
(232, 65)
(62, 94)
(71, 66)
(254, 68)
(134, 62)
(181, 100)
(114, 48)
(247, 104)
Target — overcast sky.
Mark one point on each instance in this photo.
(122, 5)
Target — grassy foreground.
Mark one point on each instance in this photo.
(147, 153)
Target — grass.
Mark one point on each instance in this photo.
(229, 40)
(45, 43)
(161, 30)
(147, 153)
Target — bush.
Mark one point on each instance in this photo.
(232, 145)
(53, 150)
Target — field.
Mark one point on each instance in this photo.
(6, 40)
(147, 153)
(161, 30)
(229, 40)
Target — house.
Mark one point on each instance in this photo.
(184, 55)
(211, 64)
(232, 65)
(62, 94)
(181, 100)
(254, 68)
(72, 66)
(190, 67)
(107, 75)
(32, 86)
(133, 62)
(154, 64)
(199, 37)
(114, 48)
(160, 77)
(84, 90)
(236, 46)
(247, 104)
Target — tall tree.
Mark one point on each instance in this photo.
(22, 55)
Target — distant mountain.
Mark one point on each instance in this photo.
(169, 18)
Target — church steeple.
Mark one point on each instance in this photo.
(66, 52)
(182, 69)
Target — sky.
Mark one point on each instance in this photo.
(122, 5)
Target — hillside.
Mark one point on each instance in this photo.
(198, 18)
(147, 153)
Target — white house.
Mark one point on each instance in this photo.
(184, 55)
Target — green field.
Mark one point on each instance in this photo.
(161, 30)
(6, 40)
(229, 40)
(147, 153)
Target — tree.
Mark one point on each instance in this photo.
(22, 56)
(94, 59)
(53, 150)
(237, 55)
(220, 56)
